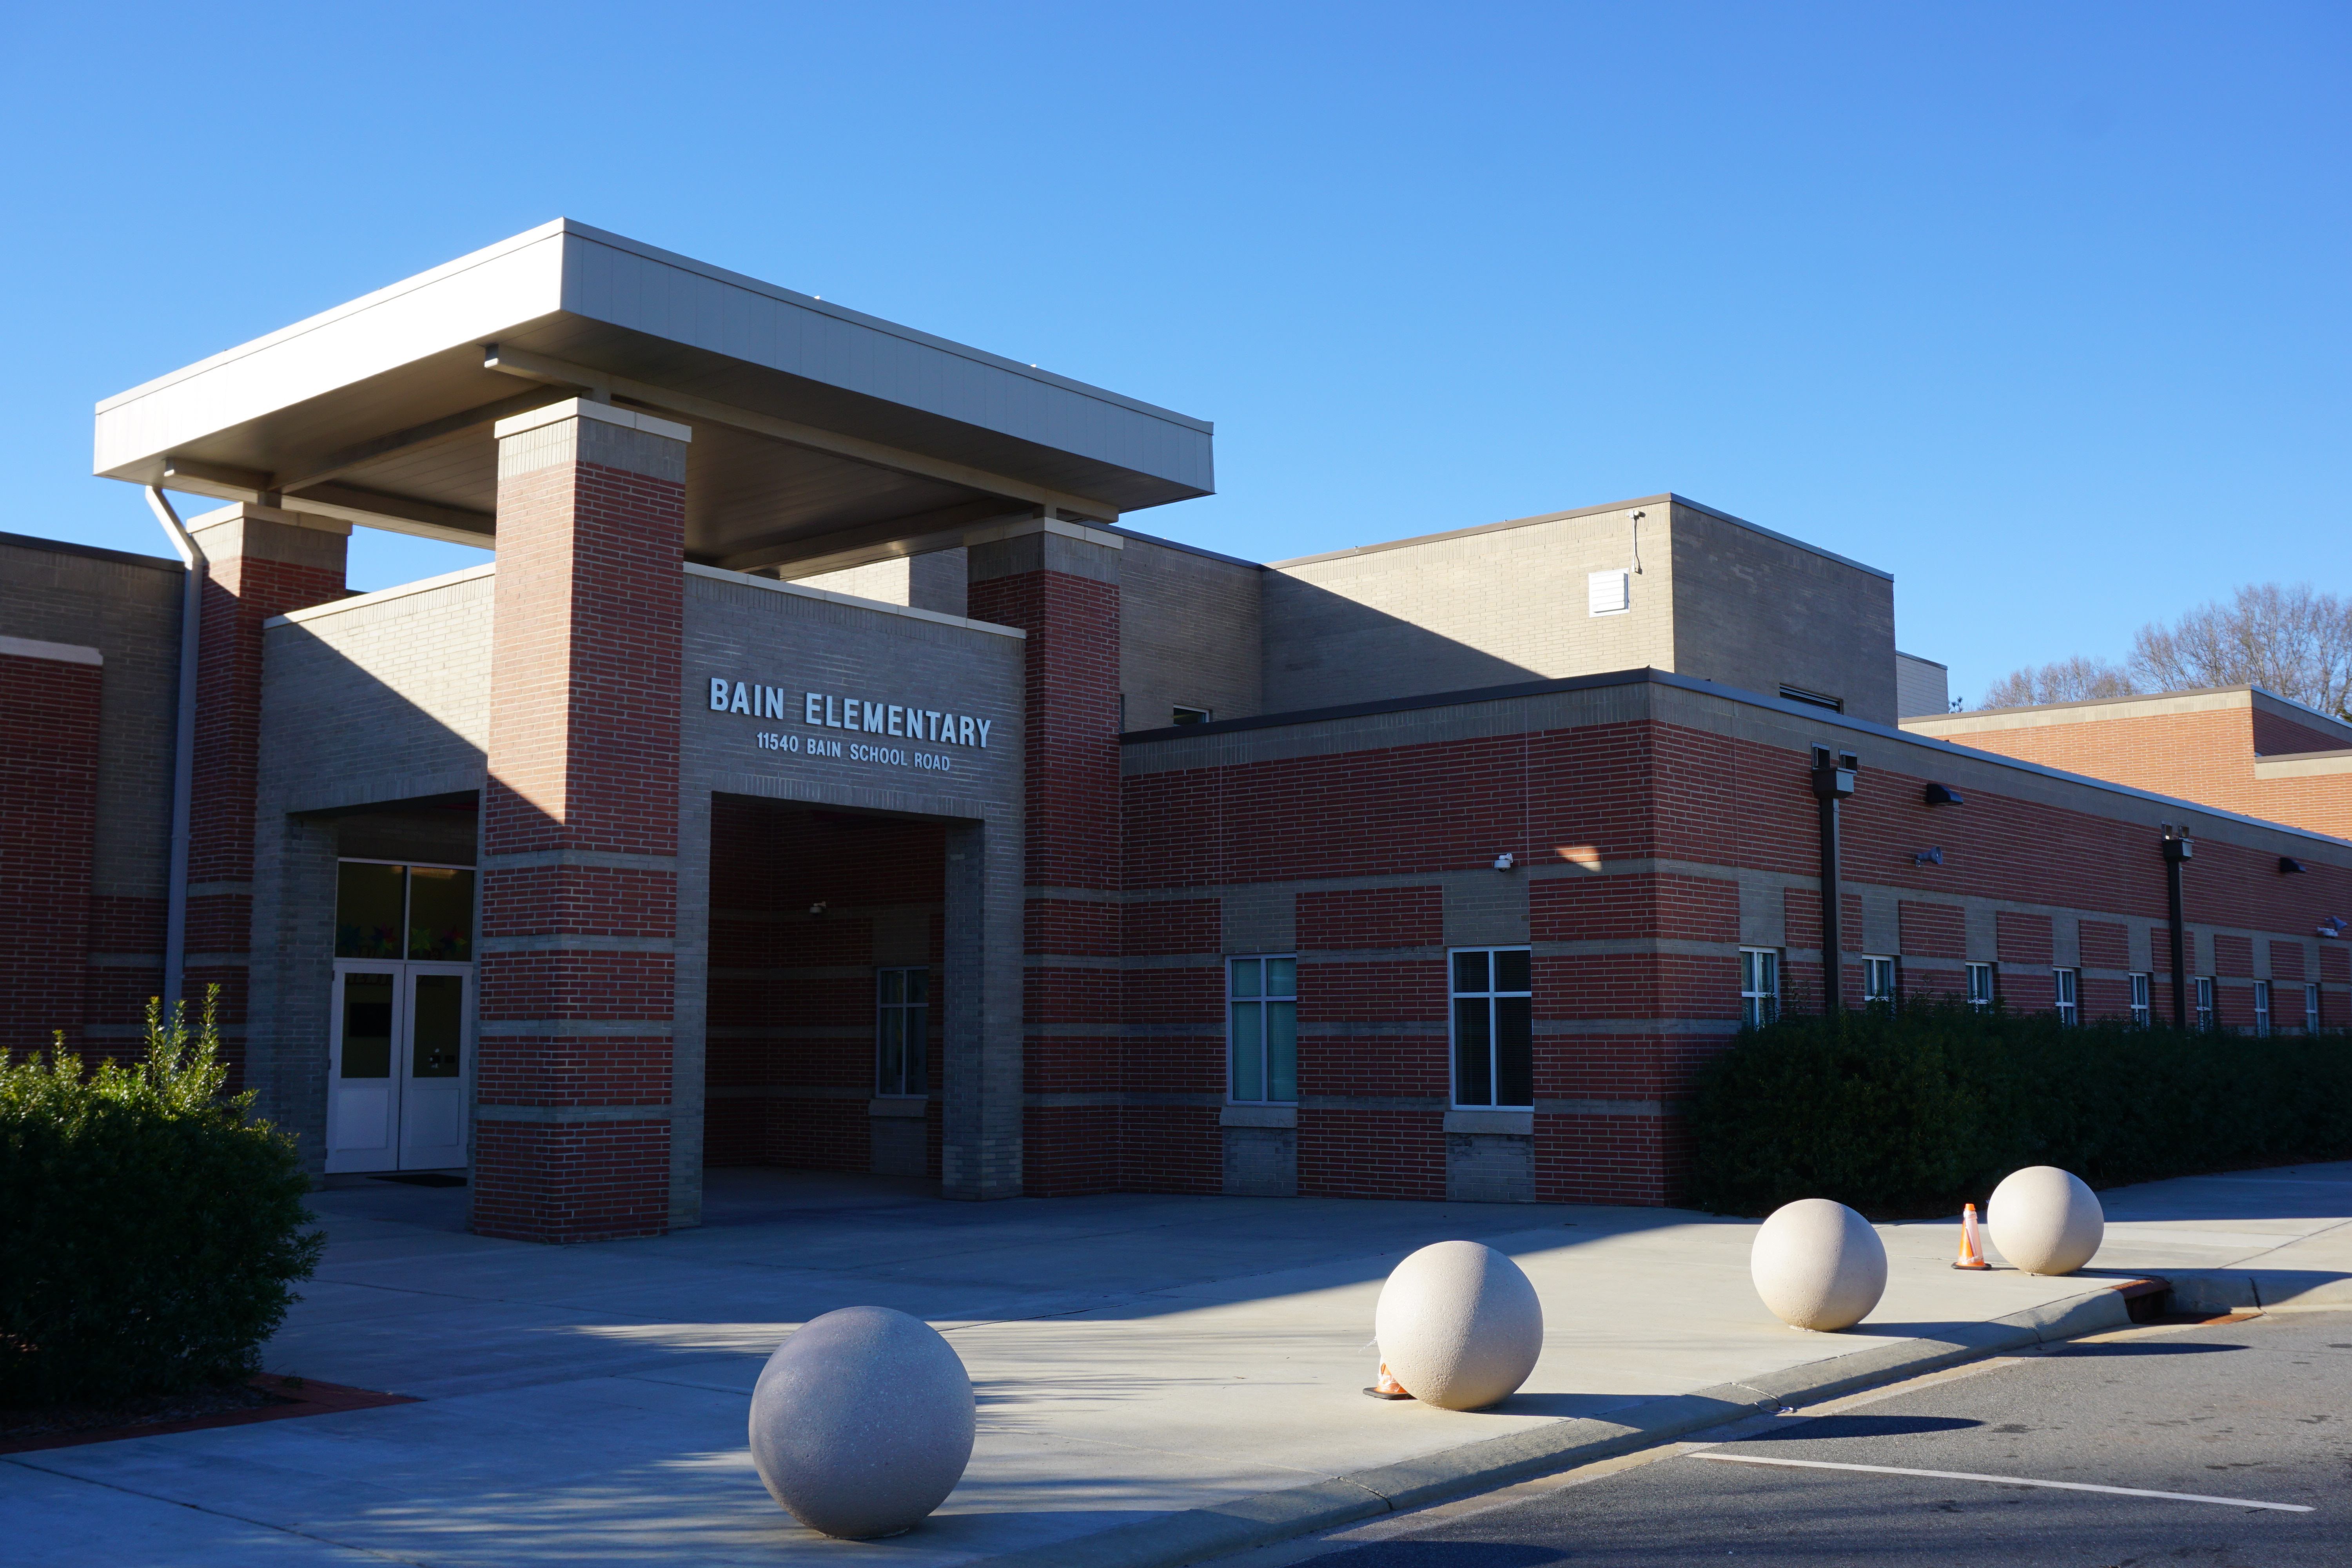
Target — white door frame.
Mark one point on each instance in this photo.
(405, 1107)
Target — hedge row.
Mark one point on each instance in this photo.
(150, 1232)
(1917, 1111)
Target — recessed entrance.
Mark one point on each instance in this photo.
(402, 1051)
(827, 990)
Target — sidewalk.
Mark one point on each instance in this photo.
(1136, 1357)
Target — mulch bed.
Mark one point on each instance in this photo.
(267, 1398)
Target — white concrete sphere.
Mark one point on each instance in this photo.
(1818, 1265)
(1459, 1325)
(862, 1422)
(2045, 1220)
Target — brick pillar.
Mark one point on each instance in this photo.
(580, 827)
(49, 826)
(260, 562)
(1059, 583)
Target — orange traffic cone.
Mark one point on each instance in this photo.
(1971, 1250)
(1387, 1387)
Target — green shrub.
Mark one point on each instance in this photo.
(1917, 1111)
(149, 1231)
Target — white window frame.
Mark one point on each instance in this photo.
(2141, 986)
(2205, 1013)
(1260, 1004)
(1980, 996)
(2262, 1007)
(2066, 995)
(1453, 998)
(1881, 978)
(2311, 1006)
(1759, 986)
(921, 1038)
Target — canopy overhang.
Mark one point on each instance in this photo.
(822, 437)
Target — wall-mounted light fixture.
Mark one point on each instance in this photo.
(2290, 867)
(1943, 794)
(1929, 856)
(816, 910)
(2332, 927)
(1503, 861)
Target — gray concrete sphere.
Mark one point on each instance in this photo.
(1459, 1325)
(862, 1422)
(1818, 1265)
(2045, 1220)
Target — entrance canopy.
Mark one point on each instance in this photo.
(822, 438)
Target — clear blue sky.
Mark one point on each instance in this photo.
(2044, 310)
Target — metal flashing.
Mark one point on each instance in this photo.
(90, 552)
(801, 589)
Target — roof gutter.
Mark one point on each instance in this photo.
(183, 746)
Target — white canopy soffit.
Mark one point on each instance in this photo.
(822, 438)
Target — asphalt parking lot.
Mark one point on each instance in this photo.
(2248, 1413)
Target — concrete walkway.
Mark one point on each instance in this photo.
(1134, 1356)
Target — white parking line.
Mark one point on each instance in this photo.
(1999, 1480)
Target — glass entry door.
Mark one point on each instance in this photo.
(396, 1100)
(401, 1049)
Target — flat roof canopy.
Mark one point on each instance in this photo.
(822, 437)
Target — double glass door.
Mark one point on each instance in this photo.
(397, 1099)
(402, 1048)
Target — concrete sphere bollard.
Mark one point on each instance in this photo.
(1459, 1325)
(862, 1422)
(1818, 1265)
(2045, 1220)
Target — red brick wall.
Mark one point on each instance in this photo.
(243, 588)
(1072, 832)
(2206, 756)
(48, 820)
(582, 776)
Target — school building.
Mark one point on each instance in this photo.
(828, 771)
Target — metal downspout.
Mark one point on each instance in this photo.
(183, 745)
(2178, 849)
(1833, 780)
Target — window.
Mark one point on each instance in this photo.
(1980, 985)
(1493, 1032)
(1879, 980)
(1183, 715)
(1759, 986)
(2204, 1001)
(2311, 1007)
(2063, 986)
(2139, 1000)
(420, 912)
(1261, 1028)
(2262, 1006)
(902, 1018)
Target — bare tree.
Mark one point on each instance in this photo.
(2074, 679)
(2293, 641)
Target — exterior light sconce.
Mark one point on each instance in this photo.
(2290, 867)
(816, 910)
(1503, 861)
(1929, 856)
(1943, 794)
(2332, 927)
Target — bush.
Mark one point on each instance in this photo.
(1917, 1112)
(150, 1232)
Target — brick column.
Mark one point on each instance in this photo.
(48, 824)
(1059, 583)
(580, 827)
(260, 562)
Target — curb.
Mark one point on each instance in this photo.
(1192, 1535)
(2218, 1290)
